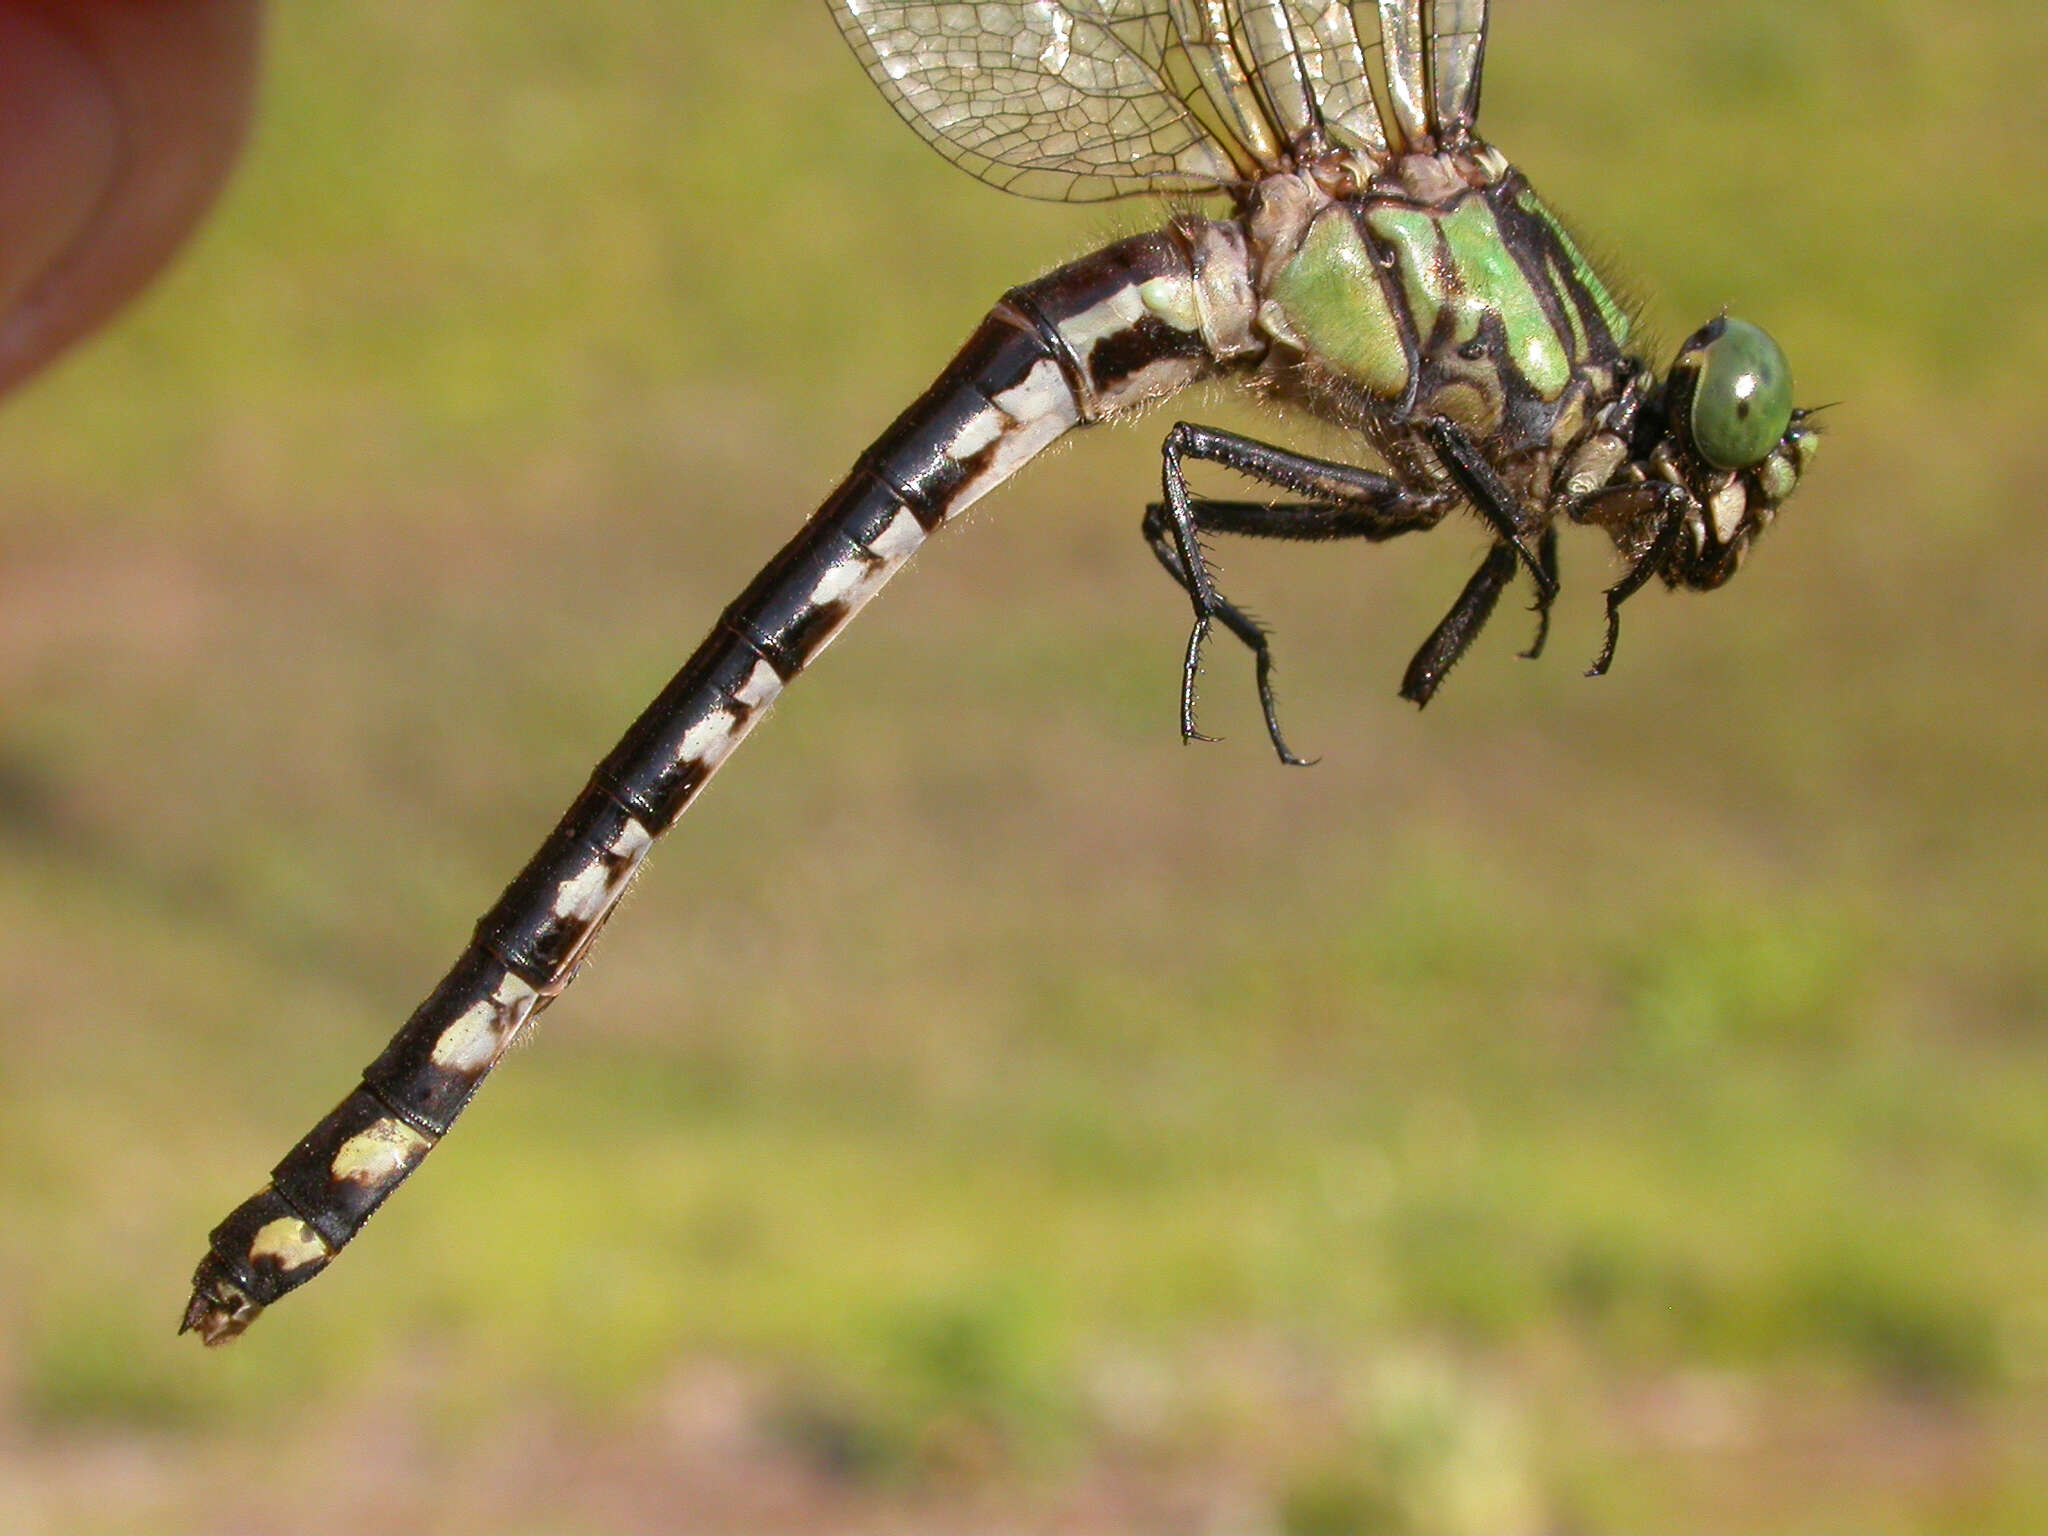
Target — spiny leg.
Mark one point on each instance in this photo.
(1307, 521)
(1672, 503)
(1468, 615)
(1464, 463)
(1235, 619)
(1445, 646)
(1403, 511)
(1351, 503)
(1546, 557)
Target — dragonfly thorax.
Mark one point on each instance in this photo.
(1448, 291)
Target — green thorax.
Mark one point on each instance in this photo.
(1477, 306)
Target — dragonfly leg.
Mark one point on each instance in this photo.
(1235, 619)
(1468, 468)
(1663, 507)
(1546, 557)
(1468, 615)
(1349, 503)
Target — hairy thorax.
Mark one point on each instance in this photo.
(1444, 288)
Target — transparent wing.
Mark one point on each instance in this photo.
(1457, 52)
(1072, 101)
(1433, 51)
(1312, 61)
(1082, 99)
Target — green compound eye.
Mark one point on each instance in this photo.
(1743, 400)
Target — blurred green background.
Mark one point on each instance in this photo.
(1586, 1107)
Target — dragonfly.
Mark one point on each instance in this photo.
(1346, 243)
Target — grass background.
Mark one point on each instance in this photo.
(1589, 1107)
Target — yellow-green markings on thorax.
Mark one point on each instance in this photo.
(1612, 315)
(1457, 262)
(1581, 343)
(1330, 296)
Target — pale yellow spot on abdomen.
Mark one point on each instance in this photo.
(379, 1153)
(289, 1243)
(583, 894)
(471, 1042)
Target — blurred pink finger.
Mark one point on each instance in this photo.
(119, 120)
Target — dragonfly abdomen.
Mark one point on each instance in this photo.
(1111, 332)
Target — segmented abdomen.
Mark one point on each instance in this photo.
(1113, 331)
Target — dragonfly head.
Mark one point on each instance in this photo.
(1734, 439)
